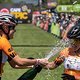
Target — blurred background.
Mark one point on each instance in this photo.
(42, 23)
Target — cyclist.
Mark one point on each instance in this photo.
(7, 53)
(70, 56)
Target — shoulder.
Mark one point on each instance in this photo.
(4, 42)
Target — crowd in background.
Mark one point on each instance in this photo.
(56, 23)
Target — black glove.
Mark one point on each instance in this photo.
(67, 77)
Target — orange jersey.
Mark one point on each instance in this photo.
(71, 63)
(6, 52)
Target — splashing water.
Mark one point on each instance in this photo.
(60, 45)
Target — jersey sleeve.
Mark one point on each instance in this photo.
(7, 48)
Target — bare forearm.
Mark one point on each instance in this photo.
(28, 62)
(22, 67)
(23, 61)
(58, 61)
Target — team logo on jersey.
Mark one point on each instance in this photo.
(12, 55)
(10, 49)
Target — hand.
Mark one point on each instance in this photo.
(42, 62)
(50, 65)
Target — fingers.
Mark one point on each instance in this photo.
(42, 62)
(50, 66)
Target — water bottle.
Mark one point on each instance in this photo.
(31, 73)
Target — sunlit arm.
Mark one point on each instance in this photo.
(14, 65)
(22, 63)
(52, 65)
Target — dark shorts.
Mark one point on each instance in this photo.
(0, 78)
(67, 77)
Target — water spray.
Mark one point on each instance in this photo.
(31, 73)
(60, 45)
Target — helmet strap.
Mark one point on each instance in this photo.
(6, 30)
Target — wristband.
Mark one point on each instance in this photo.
(37, 62)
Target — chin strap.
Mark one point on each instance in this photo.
(4, 27)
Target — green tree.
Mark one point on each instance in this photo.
(44, 1)
(1, 1)
(7, 1)
(63, 2)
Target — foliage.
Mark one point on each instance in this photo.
(63, 2)
(6, 1)
(1, 1)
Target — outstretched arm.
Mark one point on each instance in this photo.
(14, 65)
(58, 61)
(22, 63)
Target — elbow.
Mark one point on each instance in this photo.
(13, 66)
